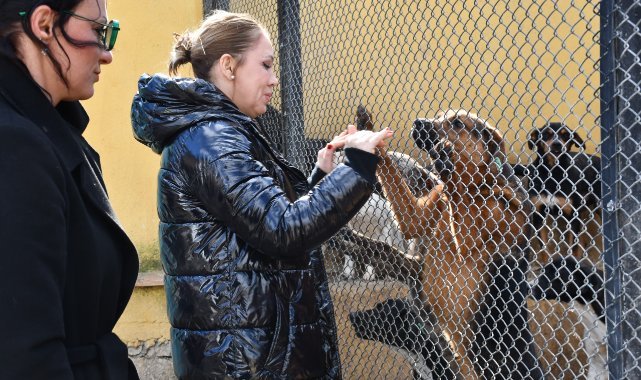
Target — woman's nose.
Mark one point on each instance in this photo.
(106, 57)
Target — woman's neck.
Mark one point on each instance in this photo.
(41, 70)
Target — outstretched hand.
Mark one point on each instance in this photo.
(367, 140)
(352, 138)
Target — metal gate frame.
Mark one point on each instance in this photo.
(621, 119)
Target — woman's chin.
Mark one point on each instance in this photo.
(81, 95)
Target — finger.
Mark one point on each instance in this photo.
(381, 137)
(332, 146)
(387, 132)
(342, 134)
(351, 129)
(339, 141)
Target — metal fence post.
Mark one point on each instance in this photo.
(609, 201)
(210, 5)
(621, 123)
(629, 120)
(291, 78)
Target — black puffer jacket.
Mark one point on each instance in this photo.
(247, 291)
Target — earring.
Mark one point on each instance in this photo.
(45, 50)
(233, 77)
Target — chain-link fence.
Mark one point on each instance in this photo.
(485, 251)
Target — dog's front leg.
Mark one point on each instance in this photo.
(415, 216)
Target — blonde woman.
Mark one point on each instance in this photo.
(240, 227)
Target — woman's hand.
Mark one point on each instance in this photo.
(352, 138)
(325, 160)
(367, 140)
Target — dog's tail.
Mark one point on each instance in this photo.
(364, 119)
(568, 280)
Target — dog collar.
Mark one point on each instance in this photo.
(498, 163)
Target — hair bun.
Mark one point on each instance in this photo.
(182, 47)
(181, 53)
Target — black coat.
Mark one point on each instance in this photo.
(67, 269)
(247, 290)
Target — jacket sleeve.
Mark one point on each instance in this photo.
(238, 190)
(32, 257)
(315, 176)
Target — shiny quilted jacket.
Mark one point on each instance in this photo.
(247, 292)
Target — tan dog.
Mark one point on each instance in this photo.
(473, 217)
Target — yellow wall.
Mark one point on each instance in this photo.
(130, 168)
(516, 64)
(145, 318)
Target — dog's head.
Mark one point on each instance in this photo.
(554, 138)
(458, 140)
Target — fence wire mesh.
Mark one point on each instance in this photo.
(484, 251)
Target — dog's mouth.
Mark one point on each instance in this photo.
(441, 154)
(557, 148)
(440, 150)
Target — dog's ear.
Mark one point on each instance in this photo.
(576, 139)
(363, 119)
(534, 137)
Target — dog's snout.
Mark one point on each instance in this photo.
(556, 146)
(424, 134)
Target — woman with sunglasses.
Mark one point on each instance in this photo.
(67, 269)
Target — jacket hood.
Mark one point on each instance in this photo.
(165, 106)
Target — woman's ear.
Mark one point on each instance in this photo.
(42, 21)
(227, 66)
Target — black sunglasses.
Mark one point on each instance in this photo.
(108, 33)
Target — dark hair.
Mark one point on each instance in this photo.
(14, 19)
(220, 33)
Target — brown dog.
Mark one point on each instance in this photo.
(476, 216)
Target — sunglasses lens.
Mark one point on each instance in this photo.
(111, 34)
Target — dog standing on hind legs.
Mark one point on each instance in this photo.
(475, 222)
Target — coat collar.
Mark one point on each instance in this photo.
(63, 125)
(59, 124)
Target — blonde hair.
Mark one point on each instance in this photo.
(220, 33)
